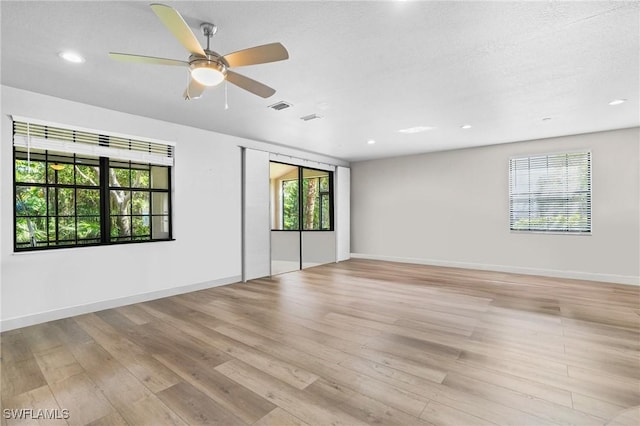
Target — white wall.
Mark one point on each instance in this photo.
(257, 257)
(41, 286)
(452, 209)
(342, 198)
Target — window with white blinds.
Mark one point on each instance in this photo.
(75, 188)
(550, 193)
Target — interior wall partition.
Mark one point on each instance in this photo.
(255, 214)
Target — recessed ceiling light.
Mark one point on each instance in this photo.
(371, 141)
(416, 129)
(617, 101)
(465, 126)
(70, 56)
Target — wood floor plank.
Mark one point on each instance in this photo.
(238, 400)
(629, 417)
(293, 375)
(82, 398)
(407, 396)
(117, 383)
(150, 411)
(546, 410)
(153, 374)
(21, 376)
(300, 404)
(280, 417)
(41, 337)
(57, 364)
(440, 414)
(360, 406)
(595, 407)
(135, 314)
(42, 398)
(112, 419)
(195, 407)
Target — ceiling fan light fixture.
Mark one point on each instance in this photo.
(208, 73)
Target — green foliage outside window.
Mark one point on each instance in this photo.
(316, 213)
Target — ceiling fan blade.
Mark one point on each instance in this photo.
(178, 27)
(257, 55)
(194, 90)
(249, 85)
(125, 57)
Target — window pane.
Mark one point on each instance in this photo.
(160, 227)
(89, 227)
(326, 214)
(30, 201)
(120, 202)
(88, 202)
(283, 193)
(63, 176)
(290, 205)
(65, 201)
(141, 226)
(324, 184)
(159, 177)
(139, 178)
(66, 228)
(30, 172)
(119, 177)
(31, 230)
(87, 174)
(120, 228)
(159, 203)
(140, 202)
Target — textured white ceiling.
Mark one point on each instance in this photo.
(369, 68)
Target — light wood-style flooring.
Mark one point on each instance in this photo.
(359, 342)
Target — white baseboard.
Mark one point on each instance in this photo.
(589, 276)
(40, 317)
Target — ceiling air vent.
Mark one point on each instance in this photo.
(279, 106)
(310, 117)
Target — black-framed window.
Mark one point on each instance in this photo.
(304, 198)
(65, 199)
(550, 193)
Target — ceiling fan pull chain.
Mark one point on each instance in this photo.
(226, 104)
(28, 149)
(188, 85)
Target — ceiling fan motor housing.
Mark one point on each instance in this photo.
(205, 65)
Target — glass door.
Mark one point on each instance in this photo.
(301, 217)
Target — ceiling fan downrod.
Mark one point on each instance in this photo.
(208, 30)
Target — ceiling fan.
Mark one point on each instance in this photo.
(207, 67)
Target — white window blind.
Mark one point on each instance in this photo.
(40, 136)
(551, 193)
